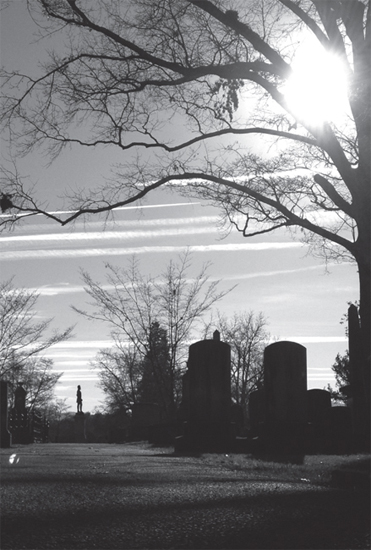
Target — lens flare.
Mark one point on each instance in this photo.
(317, 90)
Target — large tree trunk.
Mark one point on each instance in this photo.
(359, 355)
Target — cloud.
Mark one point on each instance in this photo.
(315, 339)
(108, 235)
(55, 290)
(94, 252)
(324, 377)
(81, 378)
(136, 207)
(104, 235)
(64, 364)
(46, 228)
(274, 273)
(57, 355)
(76, 344)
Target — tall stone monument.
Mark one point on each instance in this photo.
(285, 387)
(209, 395)
(285, 382)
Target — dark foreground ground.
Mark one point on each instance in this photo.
(130, 496)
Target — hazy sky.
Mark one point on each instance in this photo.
(274, 275)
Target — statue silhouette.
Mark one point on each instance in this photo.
(79, 399)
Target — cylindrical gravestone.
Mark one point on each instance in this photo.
(285, 383)
(209, 392)
(319, 405)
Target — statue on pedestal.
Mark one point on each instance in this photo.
(79, 399)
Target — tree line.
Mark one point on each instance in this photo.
(153, 320)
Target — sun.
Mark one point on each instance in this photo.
(317, 90)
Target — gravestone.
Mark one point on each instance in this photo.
(285, 383)
(319, 420)
(6, 438)
(319, 405)
(209, 394)
(285, 387)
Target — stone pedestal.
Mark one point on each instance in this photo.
(80, 435)
(6, 438)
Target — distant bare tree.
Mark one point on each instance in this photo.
(22, 341)
(119, 372)
(246, 333)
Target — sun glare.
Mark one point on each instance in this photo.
(317, 91)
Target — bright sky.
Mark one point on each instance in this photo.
(274, 275)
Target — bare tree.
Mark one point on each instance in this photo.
(119, 373)
(22, 341)
(246, 333)
(133, 305)
(38, 379)
(129, 72)
(55, 412)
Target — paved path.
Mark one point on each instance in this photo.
(131, 496)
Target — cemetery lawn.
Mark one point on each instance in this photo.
(86, 496)
(316, 469)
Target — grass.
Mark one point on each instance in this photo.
(316, 469)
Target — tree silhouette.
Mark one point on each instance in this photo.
(156, 385)
(341, 370)
(22, 342)
(246, 333)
